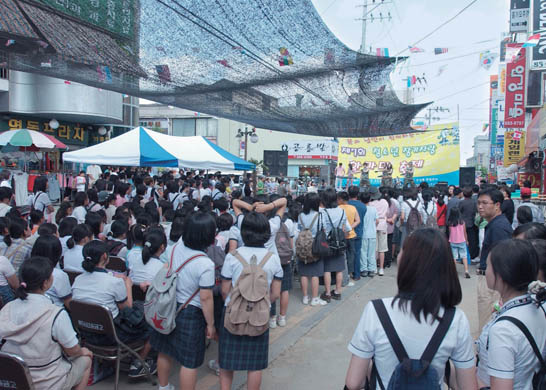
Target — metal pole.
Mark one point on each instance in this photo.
(364, 13)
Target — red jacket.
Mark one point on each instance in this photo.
(441, 212)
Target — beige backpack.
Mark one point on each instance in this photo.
(247, 313)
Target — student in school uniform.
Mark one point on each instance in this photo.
(14, 246)
(135, 243)
(66, 227)
(73, 256)
(143, 272)
(80, 206)
(195, 322)
(117, 239)
(50, 247)
(247, 353)
(9, 282)
(96, 285)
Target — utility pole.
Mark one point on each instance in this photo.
(365, 18)
(435, 109)
(363, 39)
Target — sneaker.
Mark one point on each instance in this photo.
(350, 284)
(371, 274)
(336, 296)
(168, 387)
(318, 302)
(272, 323)
(364, 274)
(306, 300)
(214, 366)
(475, 260)
(137, 370)
(325, 297)
(281, 321)
(381, 272)
(467, 275)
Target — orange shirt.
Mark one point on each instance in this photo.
(350, 212)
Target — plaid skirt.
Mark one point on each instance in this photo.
(186, 343)
(243, 353)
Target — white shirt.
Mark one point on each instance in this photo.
(73, 259)
(305, 222)
(406, 209)
(369, 228)
(140, 272)
(5, 183)
(509, 355)
(95, 171)
(336, 215)
(102, 288)
(6, 271)
(79, 213)
(430, 210)
(176, 199)
(60, 289)
(41, 203)
(197, 274)
(274, 226)
(63, 241)
(80, 184)
(4, 209)
(232, 268)
(235, 234)
(370, 340)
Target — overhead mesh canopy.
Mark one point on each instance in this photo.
(269, 63)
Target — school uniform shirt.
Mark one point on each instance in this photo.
(430, 210)
(110, 211)
(337, 215)
(101, 288)
(79, 213)
(39, 201)
(200, 194)
(197, 274)
(406, 209)
(504, 351)
(63, 241)
(73, 259)
(232, 268)
(274, 226)
(166, 255)
(216, 194)
(4, 209)
(370, 340)
(123, 251)
(6, 271)
(140, 272)
(134, 255)
(60, 289)
(17, 252)
(222, 239)
(369, 223)
(235, 234)
(176, 199)
(304, 221)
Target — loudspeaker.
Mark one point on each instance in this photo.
(276, 162)
(467, 176)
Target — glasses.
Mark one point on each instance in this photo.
(483, 203)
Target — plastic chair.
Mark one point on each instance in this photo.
(14, 373)
(116, 264)
(72, 276)
(98, 319)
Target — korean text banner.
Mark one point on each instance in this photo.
(514, 147)
(514, 114)
(434, 153)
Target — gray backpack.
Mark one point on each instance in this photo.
(160, 304)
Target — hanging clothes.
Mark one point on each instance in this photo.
(21, 185)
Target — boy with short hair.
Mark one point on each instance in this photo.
(368, 264)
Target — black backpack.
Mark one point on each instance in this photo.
(411, 374)
(336, 237)
(114, 247)
(539, 379)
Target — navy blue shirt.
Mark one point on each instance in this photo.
(361, 208)
(497, 229)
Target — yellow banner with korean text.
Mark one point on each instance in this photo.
(514, 146)
(435, 154)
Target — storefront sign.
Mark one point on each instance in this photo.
(314, 149)
(502, 81)
(519, 15)
(514, 115)
(538, 56)
(116, 16)
(435, 154)
(514, 147)
(160, 125)
(534, 178)
(67, 133)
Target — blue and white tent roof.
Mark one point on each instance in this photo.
(146, 148)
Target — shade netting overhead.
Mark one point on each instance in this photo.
(269, 63)
(141, 147)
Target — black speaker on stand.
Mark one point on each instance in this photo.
(276, 162)
(467, 176)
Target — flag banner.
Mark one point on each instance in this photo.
(435, 154)
(441, 70)
(514, 112)
(440, 50)
(382, 52)
(532, 41)
(285, 57)
(514, 148)
(164, 73)
(485, 127)
(105, 76)
(414, 49)
(487, 58)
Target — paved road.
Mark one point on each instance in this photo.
(311, 351)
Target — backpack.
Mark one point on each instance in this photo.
(283, 244)
(414, 221)
(114, 247)
(336, 237)
(247, 313)
(411, 374)
(160, 305)
(431, 220)
(320, 247)
(217, 255)
(539, 379)
(304, 243)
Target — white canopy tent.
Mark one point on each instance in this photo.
(147, 148)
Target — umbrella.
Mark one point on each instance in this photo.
(28, 141)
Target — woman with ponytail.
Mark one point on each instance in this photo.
(96, 285)
(135, 242)
(42, 334)
(66, 228)
(15, 247)
(506, 358)
(117, 239)
(143, 270)
(73, 257)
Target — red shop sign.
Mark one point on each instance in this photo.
(514, 111)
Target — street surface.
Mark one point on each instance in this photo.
(311, 351)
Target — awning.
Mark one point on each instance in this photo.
(13, 22)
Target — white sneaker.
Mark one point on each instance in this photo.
(306, 300)
(168, 387)
(281, 321)
(272, 322)
(213, 365)
(381, 272)
(351, 284)
(318, 302)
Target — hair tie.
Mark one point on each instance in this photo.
(148, 244)
(88, 258)
(536, 286)
(23, 284)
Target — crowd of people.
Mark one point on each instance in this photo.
(229, 244)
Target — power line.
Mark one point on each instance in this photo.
(440, 26)
(464, 90)
(453, 58)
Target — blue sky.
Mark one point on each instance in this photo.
(463, 82)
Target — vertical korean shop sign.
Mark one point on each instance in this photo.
(538, 53)
(514, 110)
(115, 16)
(514, 147)
(519, 15)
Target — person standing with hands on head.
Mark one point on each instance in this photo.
(498, 228)
(340, 174)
